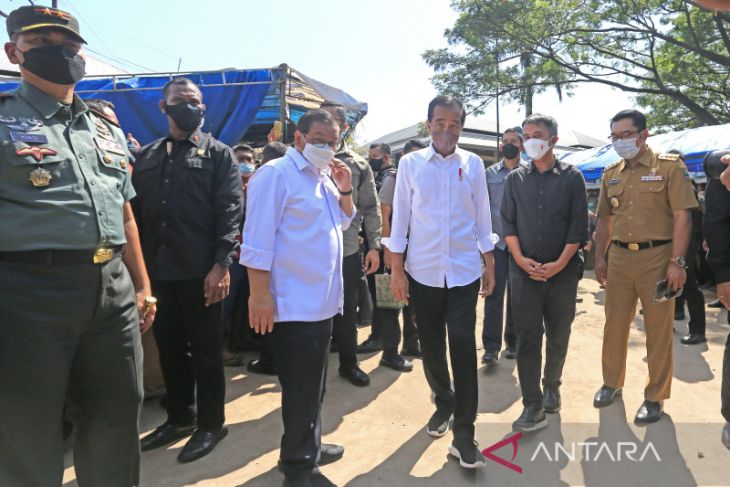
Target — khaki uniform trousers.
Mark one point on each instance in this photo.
(632, 275)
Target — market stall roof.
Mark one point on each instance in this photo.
(241, 104)
(693, 144)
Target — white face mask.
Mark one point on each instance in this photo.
(536, 148)
(319, 157)
(626, 148)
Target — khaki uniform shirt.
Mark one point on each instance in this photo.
(64, 175)
(641, 199)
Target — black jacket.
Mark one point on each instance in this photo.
(188, 206)
(717, 229)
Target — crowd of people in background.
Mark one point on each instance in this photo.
(288, 250)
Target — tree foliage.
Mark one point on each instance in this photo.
(672, 55)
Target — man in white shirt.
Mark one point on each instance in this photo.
(441, 198)
(297, 207)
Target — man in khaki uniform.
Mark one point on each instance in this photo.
(643, 214)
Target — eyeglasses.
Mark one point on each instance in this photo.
(321, 144)
(623, 135)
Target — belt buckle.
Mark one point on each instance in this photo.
(102, 256)
(633, 246)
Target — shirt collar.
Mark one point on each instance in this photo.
(555, 169)
(45, 104)
(646, 158)
(302, 163)
(196, 138)
(431, 153)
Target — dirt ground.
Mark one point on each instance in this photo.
(383, 426)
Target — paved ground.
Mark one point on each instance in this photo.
(382, 426)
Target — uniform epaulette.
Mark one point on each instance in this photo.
(669, 156)
(102, 115)
(611, 166)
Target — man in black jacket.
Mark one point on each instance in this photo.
(189, 207)
(717, 234)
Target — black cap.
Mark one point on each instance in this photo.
(31, 17)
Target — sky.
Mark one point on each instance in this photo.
(369, 48)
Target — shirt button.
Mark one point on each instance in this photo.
(630, 234)
(167, 180)
(81, 156)
(164, 224)
(101, 213)
(163, 246)
(540, 191)
(164, 202)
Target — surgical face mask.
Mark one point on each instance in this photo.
(186, 116)
(55, 63)
(536, 148)
(510, 151)
(376, 164)
(319, 157)
(626, 148)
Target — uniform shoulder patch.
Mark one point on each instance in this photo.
(667, 156)
(611, 166)
(104, 117)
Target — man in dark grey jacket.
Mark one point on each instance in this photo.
(366, 202)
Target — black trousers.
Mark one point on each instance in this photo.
(494, 307)
(543, 308)
(725, 388)
(344, 328)
(694, 298)
(300, 352)
(410, 329)
(189, 336)
(441, 311)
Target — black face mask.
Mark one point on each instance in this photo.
(376, 164)
(510, 151)
(56, 64)
(186, 116)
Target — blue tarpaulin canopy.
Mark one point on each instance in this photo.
(694, 144)
(241, 105)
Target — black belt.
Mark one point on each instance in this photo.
(641, 246)
(63, 257)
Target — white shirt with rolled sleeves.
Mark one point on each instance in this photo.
(444, 203)
(293, 229)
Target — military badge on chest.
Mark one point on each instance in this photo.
(28, 131)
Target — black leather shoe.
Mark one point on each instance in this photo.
(165, 434)
(330, 453)
(259, 367)
(397, 363)
(693, 339)
(532, 419)
(551, 400)
(200, 444)
(489, 358)
(726, 436)
(605, 396)
(412, 352)
(355, 375)
(370, 345)
(510, 353)
(649, 412)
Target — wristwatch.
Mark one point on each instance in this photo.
(679, 262)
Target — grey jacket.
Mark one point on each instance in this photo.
(366, 201)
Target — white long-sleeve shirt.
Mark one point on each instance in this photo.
(294, 229)
(442, 204)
